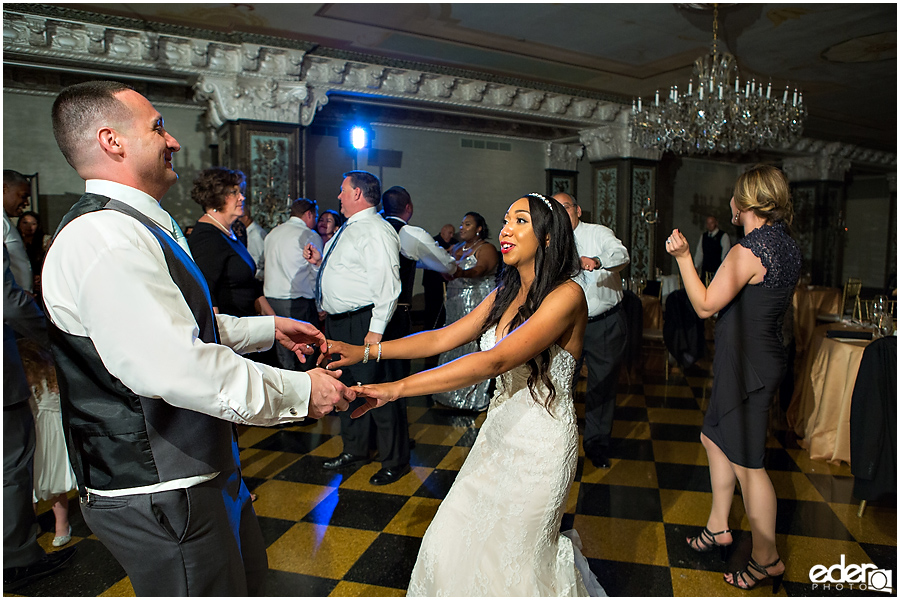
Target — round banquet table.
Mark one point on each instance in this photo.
(819, 411)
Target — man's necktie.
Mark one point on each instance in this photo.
(322, 266)
(179, 237)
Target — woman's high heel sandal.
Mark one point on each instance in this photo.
(739, 577)
(706, 541)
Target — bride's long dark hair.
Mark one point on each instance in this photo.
(554, 264)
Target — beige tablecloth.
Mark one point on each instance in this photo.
(820, 409)
(809, 301)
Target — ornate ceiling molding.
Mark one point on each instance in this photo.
(563, 156)
(239, 76)
(280, 72)
(827, 164)
(614, 141)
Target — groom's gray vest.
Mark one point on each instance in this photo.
(118, 439)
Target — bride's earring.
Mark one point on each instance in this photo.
(735, 217)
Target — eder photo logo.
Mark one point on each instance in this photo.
(866, 577)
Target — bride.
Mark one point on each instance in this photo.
(497, 531)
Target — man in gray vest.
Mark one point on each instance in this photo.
(149, 375)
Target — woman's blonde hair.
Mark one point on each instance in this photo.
(765, 190)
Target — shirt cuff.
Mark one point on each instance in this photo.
(261, 333)
(297, 390)
(377, 326)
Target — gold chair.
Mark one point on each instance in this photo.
(849, 299)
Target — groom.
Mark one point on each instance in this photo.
(150, 382)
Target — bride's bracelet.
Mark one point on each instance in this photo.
(366, 354)
(379, 353)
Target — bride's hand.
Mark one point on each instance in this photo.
(348, 354)
(374, 395)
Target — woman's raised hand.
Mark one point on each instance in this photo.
(677, 245)
(348, 354)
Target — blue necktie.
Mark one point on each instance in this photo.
(322, 267)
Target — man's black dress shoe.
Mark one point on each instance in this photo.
(344, 460)
(385, 476)
(15, 577)
(597, 456)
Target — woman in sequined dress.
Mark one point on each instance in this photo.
(751, 291)
(471, 284)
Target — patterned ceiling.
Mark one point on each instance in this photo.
(843, 56)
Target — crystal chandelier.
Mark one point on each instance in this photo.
(718, 115)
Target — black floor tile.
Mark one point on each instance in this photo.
(673, 476)
(630, 449)
(427, 455)
(568, 522)
(309, 470)
(834, 488)
(630, 413)
(619, 501)
(811, 519)
(670, 402)
(89, 573)
(388, 561)
(272, 528)
(297, 585)
(632, 579)
(437, 484)
(356, 509)
(298, 442)
(468, 438)
(674, 433)
(884, 557)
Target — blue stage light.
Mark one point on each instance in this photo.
(359, 138)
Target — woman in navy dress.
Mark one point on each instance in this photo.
(224, 261)
(751, 291)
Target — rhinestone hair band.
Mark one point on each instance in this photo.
(544, 198)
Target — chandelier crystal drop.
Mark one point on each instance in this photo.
(721, 114)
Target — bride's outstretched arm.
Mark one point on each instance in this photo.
(557, 316)
(419, 345)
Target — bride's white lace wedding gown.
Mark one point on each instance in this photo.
(497, 531)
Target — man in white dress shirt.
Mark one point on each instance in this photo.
(16, 195)
(358, 287)
(602, 257)
(417, 249)
(711, 250)
(150, 381)
(256, 239)
(290, 280)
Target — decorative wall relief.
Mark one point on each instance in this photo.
(804, 199)
(268, 154)
(643, 234)
(605, 201)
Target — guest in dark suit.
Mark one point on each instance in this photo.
(23, 559)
